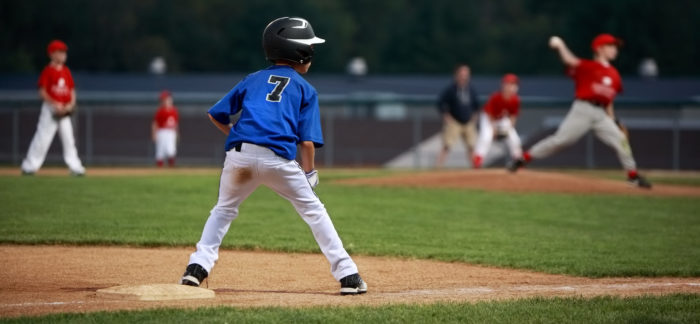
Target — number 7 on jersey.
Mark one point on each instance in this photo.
(280, 83)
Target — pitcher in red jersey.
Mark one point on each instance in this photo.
(597, 83)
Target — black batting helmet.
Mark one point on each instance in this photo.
(290, 39)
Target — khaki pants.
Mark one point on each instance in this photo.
(452, 130)
(581, 118)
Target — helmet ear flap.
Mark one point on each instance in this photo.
(305, 56)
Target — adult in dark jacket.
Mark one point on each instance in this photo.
(458, 105)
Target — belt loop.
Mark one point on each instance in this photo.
(238, 147)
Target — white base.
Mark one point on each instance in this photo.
(155, 292)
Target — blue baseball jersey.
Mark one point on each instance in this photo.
(279, 109)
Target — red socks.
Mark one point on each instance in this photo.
(476, 161)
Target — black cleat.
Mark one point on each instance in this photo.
(639, 181)
(515, 164)
(194, 275)
(352, 285)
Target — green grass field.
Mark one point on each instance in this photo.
(669, 309)
(591, 235)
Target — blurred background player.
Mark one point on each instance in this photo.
(597, 83)
(57, 90)
(458, 105)
(498, 121)
(164, 130)
(279, 114)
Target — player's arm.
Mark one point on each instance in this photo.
(71, 104)
(307, 150)
(567, 57)
(222, 127)
(154, 130)
(58, 107)
(307, 155)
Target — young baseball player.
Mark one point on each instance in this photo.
(164, 130)
(597, 83)
(498, 120)
(458, 104)
(278, 113)
(57, 90)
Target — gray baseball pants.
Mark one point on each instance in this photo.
(583, 117)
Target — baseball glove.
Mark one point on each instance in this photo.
(64, 112)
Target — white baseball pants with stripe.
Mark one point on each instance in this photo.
(583, 117)
(487, 130)
(243, 172)
(45, 131)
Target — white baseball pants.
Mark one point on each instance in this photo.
(166, 143)
(583, 117)
(45, 131)
(487, 130)
(243, 172)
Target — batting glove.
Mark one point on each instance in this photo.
(312, 177)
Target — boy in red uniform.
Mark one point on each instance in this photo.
(498, 120)
(57, 90)
(164, 130)
(597, 84)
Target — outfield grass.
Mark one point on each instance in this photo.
(669, 309)
(589, 235)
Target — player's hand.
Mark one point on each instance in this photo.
(312, 177)
(555, 42)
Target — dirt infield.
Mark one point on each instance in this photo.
(523, 181)
(57, 279)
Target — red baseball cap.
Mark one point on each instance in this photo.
(56, 45)
(164, 94)
(510, 78)
(605, 39)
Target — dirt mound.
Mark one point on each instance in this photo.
(522, 181)
(57, 279)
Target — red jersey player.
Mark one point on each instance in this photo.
(164, 130)
(597, 84)
(57, 90)
(498, 120)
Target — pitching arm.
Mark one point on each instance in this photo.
(566, 56)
